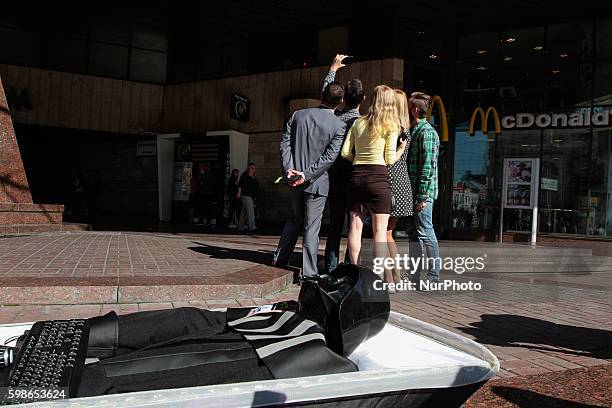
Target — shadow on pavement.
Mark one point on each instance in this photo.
(530, 399)
(537, 334)
(257, 256)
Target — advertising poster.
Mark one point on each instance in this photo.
(182, 181)
(520, 183)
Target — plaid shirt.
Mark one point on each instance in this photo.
(423, 161)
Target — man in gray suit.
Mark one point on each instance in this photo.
(310, 144)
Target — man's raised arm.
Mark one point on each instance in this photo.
(335, 66)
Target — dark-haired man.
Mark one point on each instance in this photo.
(310, 144)
(340, 171)
(423, 172)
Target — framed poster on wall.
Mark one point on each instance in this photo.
(520, 183)
(182, 181)
(520, 190)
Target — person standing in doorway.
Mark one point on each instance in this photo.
(423, 171)
(248, 187)
(340, 171)
(310, 144)
(232, 196)
(205, 194)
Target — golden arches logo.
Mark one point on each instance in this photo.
(437, 100)
(484, 119)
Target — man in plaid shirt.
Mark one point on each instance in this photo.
(423, 172)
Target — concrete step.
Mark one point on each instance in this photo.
(503, 250)
(16, 229)
(589, 260)
(251, 283)
(545, 268)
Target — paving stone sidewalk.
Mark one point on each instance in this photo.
(542, 333)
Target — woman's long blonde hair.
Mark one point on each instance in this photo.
(403, 114)
(382, 116)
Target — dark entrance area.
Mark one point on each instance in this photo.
(97, 175)
(203, 162)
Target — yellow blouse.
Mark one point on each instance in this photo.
(369, 150)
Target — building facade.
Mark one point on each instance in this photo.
(88, 102)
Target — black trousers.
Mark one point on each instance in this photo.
(339, 200)
(173, 348)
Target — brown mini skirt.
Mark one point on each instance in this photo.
(370, 189)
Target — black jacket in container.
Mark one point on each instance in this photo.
(192, 347)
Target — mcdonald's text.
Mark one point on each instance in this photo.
(557, 120)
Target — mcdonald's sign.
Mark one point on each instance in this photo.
(484, 119)
(437, 100)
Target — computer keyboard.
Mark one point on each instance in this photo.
(51, 356)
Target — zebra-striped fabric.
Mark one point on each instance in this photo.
(275, 332)
(286, 342)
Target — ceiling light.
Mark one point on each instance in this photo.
(481, 68)
(557, 140)
(433, 56)
(421, 32)
(555, 71)
(507, 59)
(510, 39)
(538, 47)
(481, 52)
(563, 55)
(524, 145)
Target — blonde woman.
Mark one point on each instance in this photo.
(402, 202)
(371, 145)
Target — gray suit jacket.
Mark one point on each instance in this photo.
(311, 142)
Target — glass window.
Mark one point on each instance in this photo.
(600, 222)
(564, 201)
(108, 60)
(149, 66)
(114, 35)
(430, 51)
(479, 46)
(472, 207)
(64, 54)
(569, 84)
(209, 63)
(150, 40)
(476, 71)
(524, 47)
(570, 42)
(604, 38)
(235, 58)
(265, 53)
(603, 84)
(521, 89)
(482, 48)
(431, 80)
(512, 144)
(477, 78)
(181, 58)
(376, 40)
